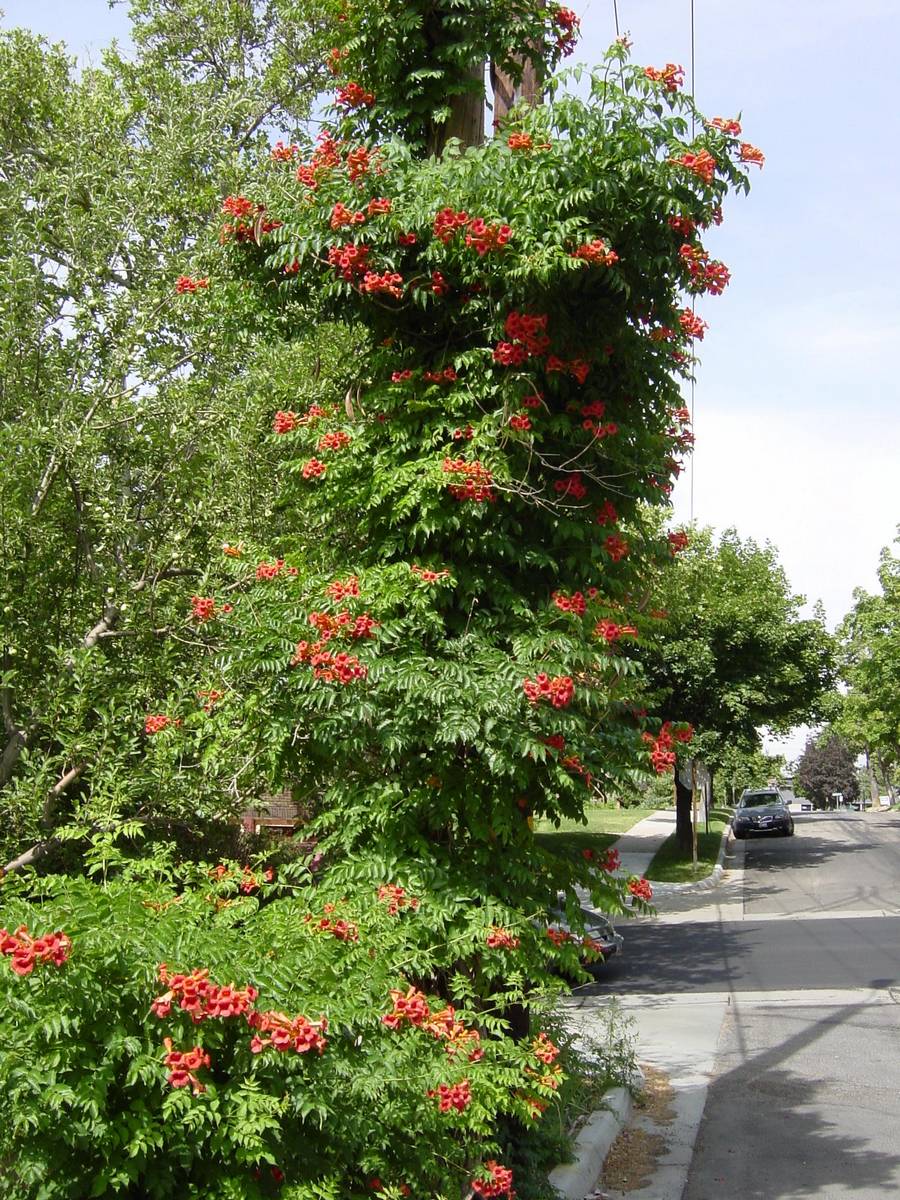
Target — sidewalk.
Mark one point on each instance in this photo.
(677, 1035)
(637, 847)
(717, 897)
(714, 898)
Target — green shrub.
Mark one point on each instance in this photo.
(90, 1107)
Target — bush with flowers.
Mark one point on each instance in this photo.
(232, 1031)
(450, 649)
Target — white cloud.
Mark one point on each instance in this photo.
(826, 494)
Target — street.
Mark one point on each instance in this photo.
(773, 1004)
(759, 956)
(836, 862)
(803, 1102)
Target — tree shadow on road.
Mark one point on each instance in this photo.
(857, 886)
(769, 1131)
(805, 848)
(763, 956)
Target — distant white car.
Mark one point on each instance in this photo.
(800, 806)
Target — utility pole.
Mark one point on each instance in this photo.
(695, 814)
(466, 120)
(507, 93)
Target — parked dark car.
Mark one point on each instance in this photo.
(600, 938)
(762, 811)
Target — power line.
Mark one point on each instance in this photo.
(616, 15)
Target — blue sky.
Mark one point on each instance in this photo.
(798, 433)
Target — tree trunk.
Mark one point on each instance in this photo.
(466, 120)
(30, 856)
(56, 791)
(873, 783)
(17, 742)
(886, 775)
(683, 825)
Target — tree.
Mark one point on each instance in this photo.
(733, 653)
(870, 665)
(131, 428)
(503, 295)
(739, 769)
(827, 766)
(432, 638)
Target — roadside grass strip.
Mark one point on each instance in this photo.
(669, 865)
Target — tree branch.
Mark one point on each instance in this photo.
(10, 756)
(9, 723)
(53, 463)
(57, 790)
(82, 534)
(106, 622)
(31, 855)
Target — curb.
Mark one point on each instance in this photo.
(698, 885)
(574, 1180)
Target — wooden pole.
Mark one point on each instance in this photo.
(694, 813)
(508, 93)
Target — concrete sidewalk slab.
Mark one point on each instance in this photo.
(637, 847)
(679, 1034)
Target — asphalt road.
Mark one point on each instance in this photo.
(804, 1102)
(762, 956)
(834, 863)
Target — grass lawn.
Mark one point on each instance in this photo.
(604, 826)
(668, 866)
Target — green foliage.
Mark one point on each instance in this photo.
(428, 746)
(734, 654)
(130, 415)
(436, 570)
(87, 1108)
(738, 769)
(420, 59)
(870, 652)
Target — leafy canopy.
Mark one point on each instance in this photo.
(870, 665)
(734, 654)
(826, 767)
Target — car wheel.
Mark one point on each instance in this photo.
(789, 832)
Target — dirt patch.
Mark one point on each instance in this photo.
(634, 1155)
(656, 1099)
(632, 1160)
